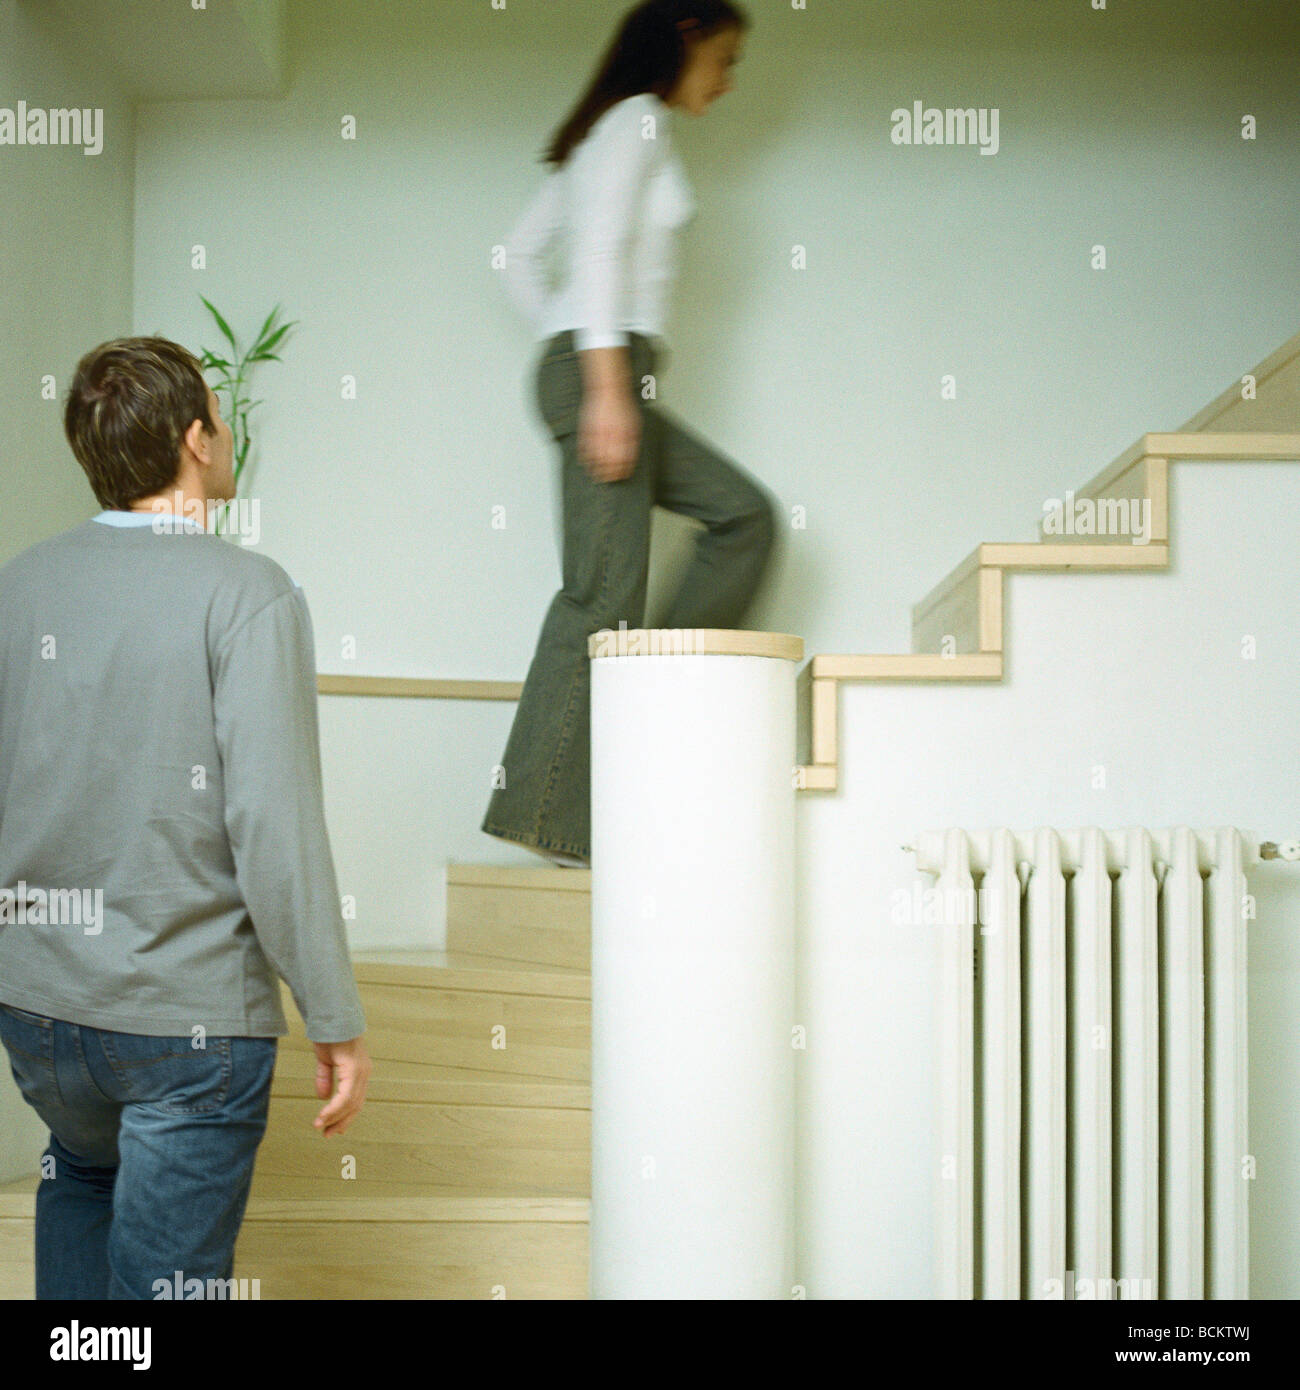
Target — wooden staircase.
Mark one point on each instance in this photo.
(468, 1172)
(957, 628)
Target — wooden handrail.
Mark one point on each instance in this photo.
(414, 687)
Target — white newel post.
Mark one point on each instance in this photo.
(692, 963)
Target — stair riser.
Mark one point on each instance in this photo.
(474, 1056)
(296, 1061)
(427, 1259)
(409, 1082)
(17, 1245)
(416, 1010)
(477, 1147)
(421, 1011)
(382, 1259)
(535, 1035)
(536, 925)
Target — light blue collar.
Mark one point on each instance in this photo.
(120, 518)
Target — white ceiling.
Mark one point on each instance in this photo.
(535, 24)
(164, 50)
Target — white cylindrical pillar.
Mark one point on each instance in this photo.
(692, 963)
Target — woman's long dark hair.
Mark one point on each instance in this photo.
(646, 55)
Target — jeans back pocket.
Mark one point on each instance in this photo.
(170, 1073)
(27, 1033)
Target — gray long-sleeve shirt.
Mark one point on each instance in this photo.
(160, 761)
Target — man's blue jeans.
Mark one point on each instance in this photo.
(150, 1159)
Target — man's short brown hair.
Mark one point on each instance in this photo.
(127, 411)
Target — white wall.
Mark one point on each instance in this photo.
(65, 271)
(1139, 675)
(824, 382)
(65, 285)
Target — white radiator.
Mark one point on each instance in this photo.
(1093, 1062)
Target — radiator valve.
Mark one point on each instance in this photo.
(1288, 849)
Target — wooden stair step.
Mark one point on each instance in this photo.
(296, 1065)
(524, 914)
(392, 1063)
(17, 1238)
(416, 1248)
(476, 1041)
(460, 1043)
(476, 1147)
(296, 1068)
(514, 876)
(461, 969)
(965, 607)
(375, 1241)
(359, 1199)
(469, 1012)
(339, 1200)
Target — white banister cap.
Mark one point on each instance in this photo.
(693, 641)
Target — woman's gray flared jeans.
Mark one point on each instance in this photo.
(544, 796)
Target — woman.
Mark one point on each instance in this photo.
(614, 202)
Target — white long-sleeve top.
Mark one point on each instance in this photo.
(610, 216)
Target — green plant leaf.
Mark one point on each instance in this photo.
(234, 375)
(274, 339)
(222, 325)
(261, 332)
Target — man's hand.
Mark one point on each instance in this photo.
(351, 1062)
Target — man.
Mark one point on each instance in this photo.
(163, 850)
